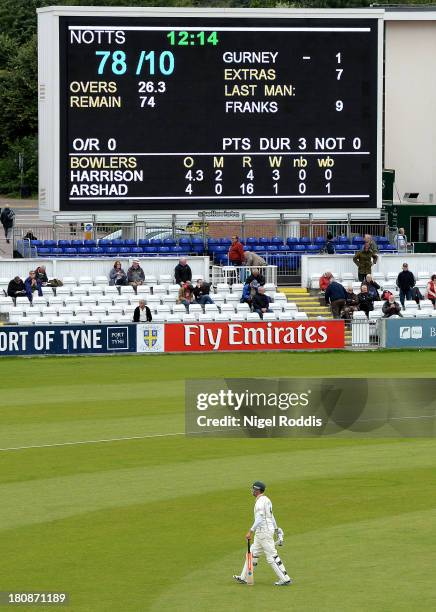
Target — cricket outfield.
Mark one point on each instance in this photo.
(103, 497)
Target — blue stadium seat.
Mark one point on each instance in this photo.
(43, 251)
(252, 241)
(111, 250)
(130, 242)
(56, 251)
(97, 250)
(169, 242)
(291, 240)
(304, 240)
(156, 242)
(259, 248)
(136, 250)
(150, 250)
(320, 240)
(272, 247)
(123, 250)
(313, 249)
(185, 243)
(69, 252)
(164, 250)
(143, 242)
(104, 242)
(117, 242)
(299, 248)
(178, 250)
(264, 241)
(64, 243)
(90, 243)
(84, 250)
(50, 243)
(225, 241)
(276, 240)
(37, 243)
(77, 243)
(284, 247)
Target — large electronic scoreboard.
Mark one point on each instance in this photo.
(183, 112)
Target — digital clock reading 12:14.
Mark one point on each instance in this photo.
(183, 38)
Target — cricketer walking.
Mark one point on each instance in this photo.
(264, 527)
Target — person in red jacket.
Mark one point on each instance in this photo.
(236, 252)
(324, 281)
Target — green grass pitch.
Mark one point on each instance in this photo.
(157, 523)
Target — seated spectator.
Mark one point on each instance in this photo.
(391, 307)
(386, 294)
(117, 276)
(201, 292)
(249, 290)
(16, 288)
(255, 276)
(135, 274)
(365, 301)
(253, 259)
(182, 272)
(405, 283)
(350, 303)
(30, 236)
(41, 275)
(186, 295)
(335, 295)
(261, 302)
(32, 284)
(330, 245)
(373, 287)
(324, 281)
(431, 290)
(142, 313)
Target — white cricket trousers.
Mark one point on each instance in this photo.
(264, 543)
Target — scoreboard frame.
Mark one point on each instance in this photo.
(51, 99)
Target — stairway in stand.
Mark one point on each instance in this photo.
(311, 305)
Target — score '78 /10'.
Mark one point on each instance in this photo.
(162, 62)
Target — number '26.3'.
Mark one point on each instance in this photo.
(152, 62)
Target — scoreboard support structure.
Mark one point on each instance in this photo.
(166, 111)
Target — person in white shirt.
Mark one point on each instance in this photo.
(264, 527)
(400, 241)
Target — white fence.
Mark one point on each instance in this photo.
(58, 268)
(340, 264)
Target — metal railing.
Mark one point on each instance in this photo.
(238, 274)
(365, 333)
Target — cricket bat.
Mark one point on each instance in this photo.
(250, 575)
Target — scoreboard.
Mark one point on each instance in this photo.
(186, 112)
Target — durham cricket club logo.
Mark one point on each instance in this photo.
(150, 337)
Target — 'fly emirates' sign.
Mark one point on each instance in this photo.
(271, 335)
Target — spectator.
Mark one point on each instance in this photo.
(364, 260)
(182, 272)
(248, 292)
(365, 301)
(32, 284)
(330, 245)
(135, 274)
(371, 243)
(405, 283)
(400, 241)
(386, 294)
(186, 295)
(417, 295)
(16, 288)
(30, 236)
(41, 275)
(261, 302)
(7, 218)
(253, 259)
(391, 307)
(201, 292)
(373, 287)
(335, 295)
(236, 252)
(431, 290)
(142, 313)
(324, 281)
(351, 303)
(255, 276)
(117, 276)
